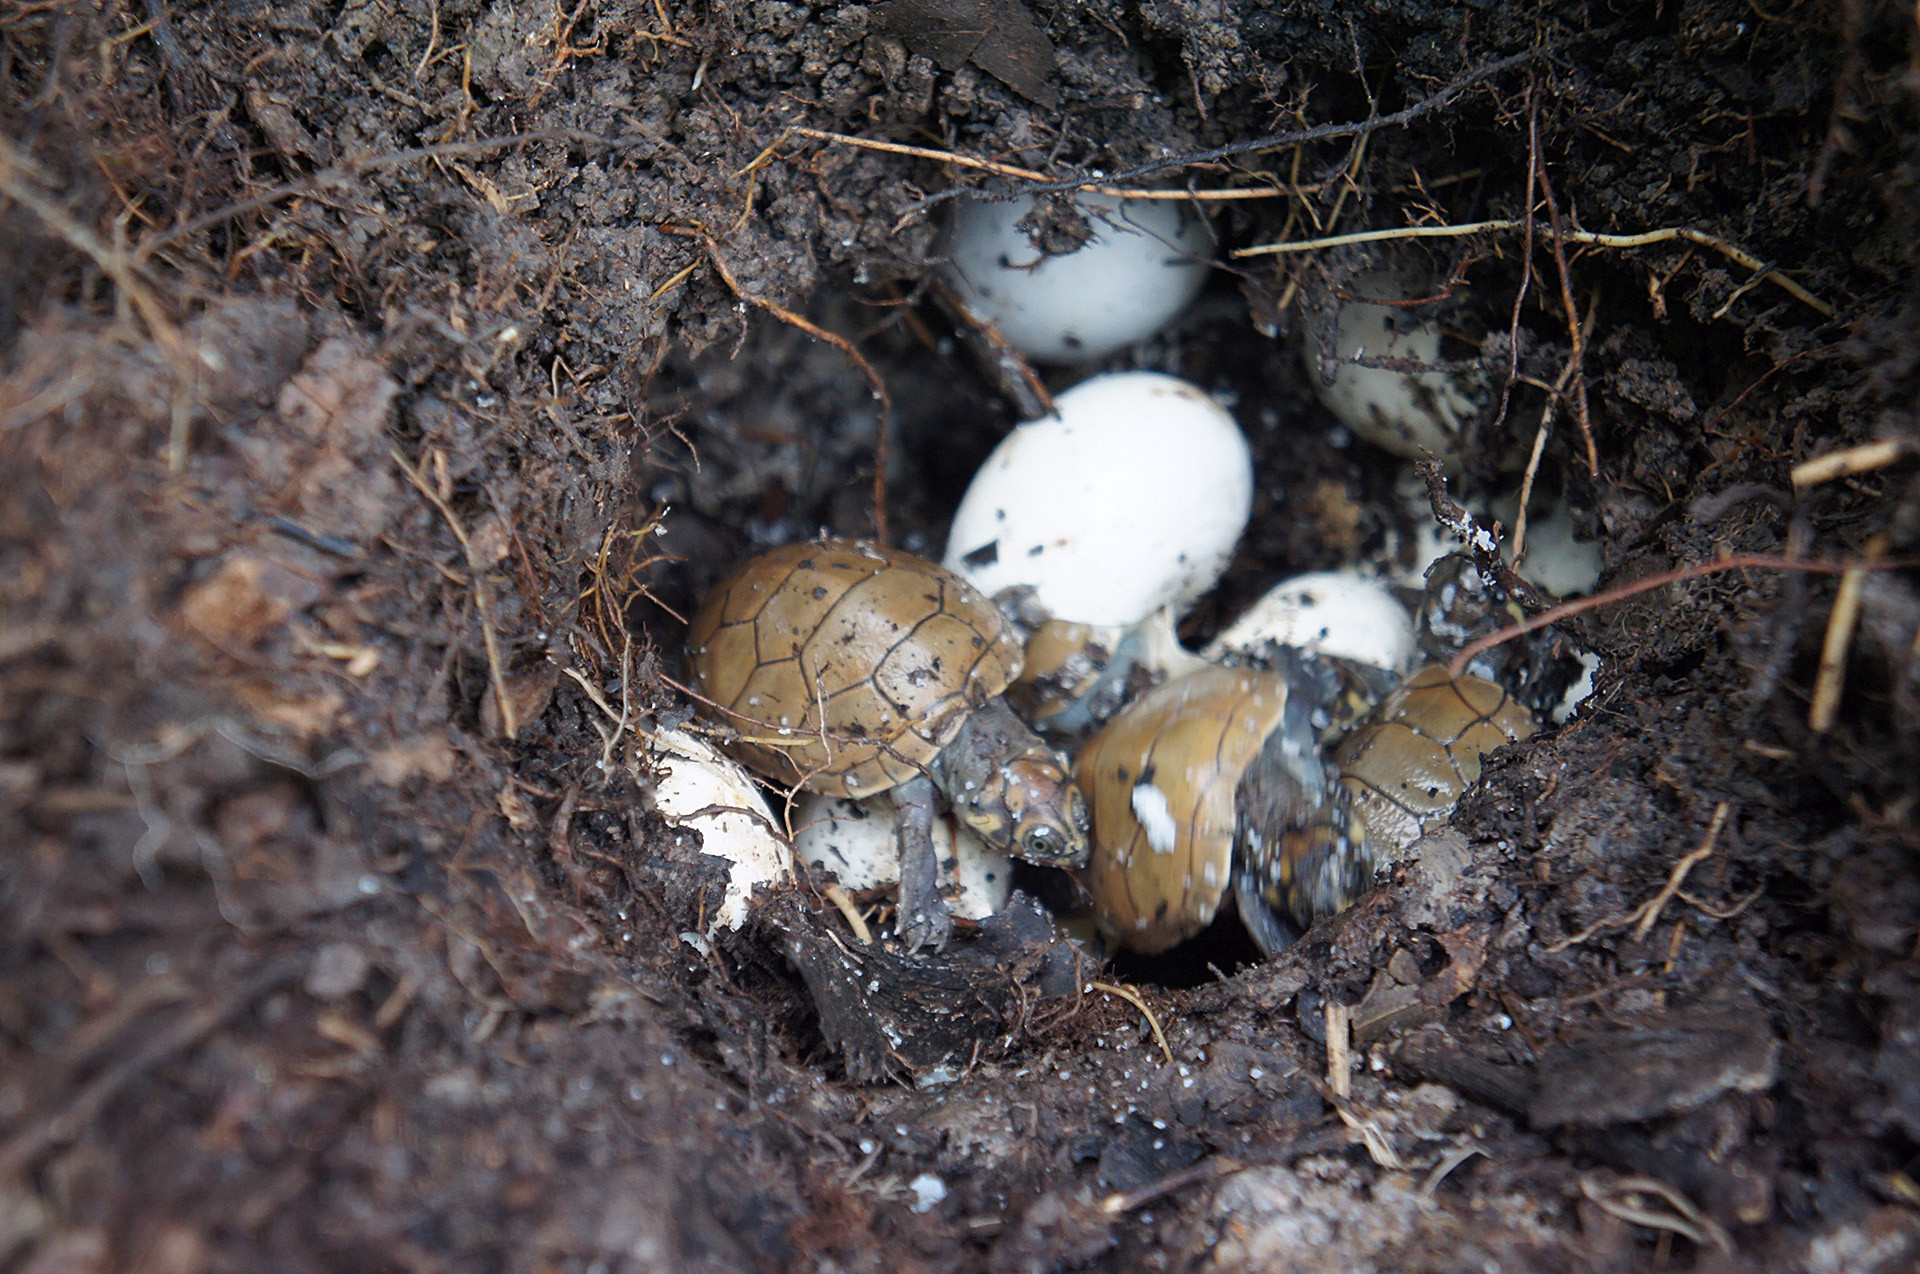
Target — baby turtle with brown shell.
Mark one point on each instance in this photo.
(856, 670)
(1215, 780)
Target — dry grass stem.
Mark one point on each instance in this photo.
(1831, 679)
(1865, 458)
(855, 921)
(1646, 584)
(1133, 997)
(1023, 174)
(477, 577)
(1647, 238)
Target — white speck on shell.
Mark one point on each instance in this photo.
(1156, 817)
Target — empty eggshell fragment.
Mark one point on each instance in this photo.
(1337, 613)
(695, 786)
(1407, 412)
(1146, 260)
(855, 842)
(1131, 497)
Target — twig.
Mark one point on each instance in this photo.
(1678, 876)
(1023, 174)
(1831, 679)
(1339, 1049)
(1574, 334)
(1647, 914)
(855, 921)
(1864, 458)
(476, 576)
(1132, 997)
(1274, 141)
(1691, 1223)
(1590, 237)
(1646, 584)
(1195, 1174)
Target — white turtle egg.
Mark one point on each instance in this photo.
(695, 786)
(855, 841)
(1131, 497)
(1408, 413)
(1146, 260)
(1336, 613)
(1556, 562)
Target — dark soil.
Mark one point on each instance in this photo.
(349, 350)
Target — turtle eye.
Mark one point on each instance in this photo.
(1040, 844)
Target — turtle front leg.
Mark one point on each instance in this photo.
(924, 917)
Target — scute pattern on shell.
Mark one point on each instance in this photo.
(847, 665)
(1189, 740)
(1408, 765)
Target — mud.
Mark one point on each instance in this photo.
(362, 360)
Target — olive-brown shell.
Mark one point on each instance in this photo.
(1160, 781)
(1408, 765)
(846, 666)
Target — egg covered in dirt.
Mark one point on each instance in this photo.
(856, 842)
(1411, 407)
(1144, 261)
(1338, 614)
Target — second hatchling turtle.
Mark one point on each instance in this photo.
(1406, 766)
(856, 670)
(1214, 780)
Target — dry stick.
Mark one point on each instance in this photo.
(1274, 141)
(1593, 238)
(841, 343)
(1678, 876)
(1526, 282)
(1864, 458)
(1010, 170)
(476, 574)
(834, 894)
(1735, 562)
(1831, 679)
(1579, 359)
(1132, 997)
(1339, 1049)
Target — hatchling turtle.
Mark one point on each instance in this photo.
(1214, 780)
(855, 670)
(1407, 765)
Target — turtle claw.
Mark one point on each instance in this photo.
(928, 924)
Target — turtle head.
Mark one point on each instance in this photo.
(1016, 793)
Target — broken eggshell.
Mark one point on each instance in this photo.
(1340, 614)
(1129, 498)
(1407, 412)
(1145, 261)
(696, 787)
(855, 841)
